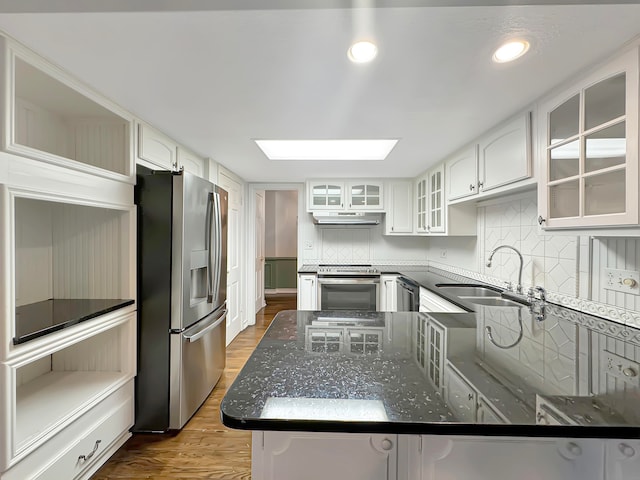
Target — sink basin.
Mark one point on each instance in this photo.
(462, 290)
(493, 301)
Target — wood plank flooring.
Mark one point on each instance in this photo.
(204, 448)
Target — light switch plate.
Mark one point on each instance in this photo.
(627, 281)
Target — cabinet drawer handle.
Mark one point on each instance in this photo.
(84, 458)
(541, 220)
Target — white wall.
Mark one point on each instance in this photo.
(281, 223)
(356, 244)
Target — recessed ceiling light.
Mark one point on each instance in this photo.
(362, 52)
(326, 149)
(510, 51)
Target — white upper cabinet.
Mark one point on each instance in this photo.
(501, 157)
(399, 212)
(589, 148)
(157, 148)
(436, 222)
(337, 195)
(433, 214)
(191, 162)
(505, 154)
(422, 203)
(430, 202)
(365, 195)
(50, 116)
(462, 173)
(325, 195)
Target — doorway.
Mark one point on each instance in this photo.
(276, 209)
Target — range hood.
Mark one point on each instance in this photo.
(346, 218)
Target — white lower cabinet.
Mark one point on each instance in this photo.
(430, 302)
(322, 456)
(388, 293)
(81, 448)
(350, 456)
(507, 458)
(307, 291)
(622, 459)
(461, 397)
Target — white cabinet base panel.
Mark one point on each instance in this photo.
(350, 456)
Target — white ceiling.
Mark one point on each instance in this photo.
(216, 79)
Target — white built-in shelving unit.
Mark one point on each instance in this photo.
(68, 228)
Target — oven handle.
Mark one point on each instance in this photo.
(348, 281)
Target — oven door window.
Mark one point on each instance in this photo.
(349, 296)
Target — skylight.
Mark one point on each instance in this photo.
(326, 149)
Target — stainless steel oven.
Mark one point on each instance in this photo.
(348, 288)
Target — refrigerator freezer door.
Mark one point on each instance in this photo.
(197, 360)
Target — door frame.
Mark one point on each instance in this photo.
(251, 234)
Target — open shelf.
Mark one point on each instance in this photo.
(72, 263)
(49, 391)
(55, 397)
(40, 318)
(56, 119)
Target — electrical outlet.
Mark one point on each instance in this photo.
(626, 281)
(308, 245)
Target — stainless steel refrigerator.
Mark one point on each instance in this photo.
(182, 278)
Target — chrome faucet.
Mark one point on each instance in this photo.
(519, 286)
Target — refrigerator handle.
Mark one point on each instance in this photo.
(218, 265)
(198, 335)
(208, 240)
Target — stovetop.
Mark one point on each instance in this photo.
(348, 270)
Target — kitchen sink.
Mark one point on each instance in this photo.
(493, 301)
(466, 290)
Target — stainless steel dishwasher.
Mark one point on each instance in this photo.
(408, 295)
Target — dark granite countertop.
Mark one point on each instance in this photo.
(371, 372)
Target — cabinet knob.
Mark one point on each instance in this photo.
(480, 185)
(574, 449)
(626, 450)
(392, 228)
(470, 396)
(541, 220)
(471, 186)
(386, 444)
(629, 372)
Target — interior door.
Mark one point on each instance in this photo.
(234, 225)
(259, 274)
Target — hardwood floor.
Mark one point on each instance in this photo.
(204, 448)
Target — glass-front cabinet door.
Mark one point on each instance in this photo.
(422, 201)
(591, 150)
(326, 196)
(436, 197)
(365, 195)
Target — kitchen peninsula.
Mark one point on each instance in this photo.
(411, 395)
